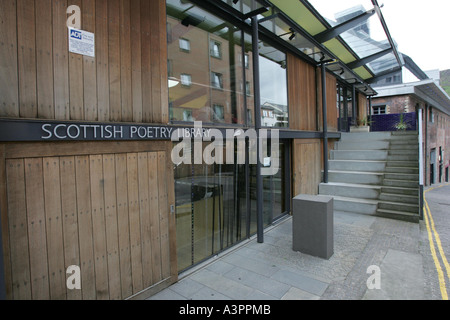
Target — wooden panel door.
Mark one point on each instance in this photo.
(106, 213)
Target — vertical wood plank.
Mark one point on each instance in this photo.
(54, 231)
(36, 229)
(114, 60)
(44, 59)
(163, 214)
(85, 227)
(4, 224)
(136, 75)
(154, 215)
(135, 230)
(155, 61)
(123, 225)
(112, 234)
(172, 220)
(163, 62)
(144, 210)
(18, 230)
(98, 226)
(70, 218)
(89, 65)
(61, 61)
(147, 113)
(125, 61)
(26, 41)
(9, 82)
(101, 40)
(76, 80)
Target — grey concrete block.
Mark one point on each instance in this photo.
(313, 225)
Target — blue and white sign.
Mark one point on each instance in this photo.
(81, 42)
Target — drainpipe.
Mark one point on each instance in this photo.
(257, 99)
(426, 144)
(325, 125)
(420, 129)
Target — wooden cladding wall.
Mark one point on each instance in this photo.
(306, 166)
(362, 106)
(126, 81)
(332, 109)
(302, 94)
(106, 213)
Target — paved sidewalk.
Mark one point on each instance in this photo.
(273, 271)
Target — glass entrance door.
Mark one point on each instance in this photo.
(216, 206)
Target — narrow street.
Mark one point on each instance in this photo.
(435, 230)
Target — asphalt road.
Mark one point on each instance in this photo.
(435, 244)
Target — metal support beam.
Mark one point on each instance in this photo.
(354, 102)
(325, 125)
(257, 100)
(368, 59)
(337, 30)
(386, 30)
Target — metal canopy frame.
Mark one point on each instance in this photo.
(335, 32)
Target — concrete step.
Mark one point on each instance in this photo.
(410, 151)
(398, 206)
(400, 190)
(400, 183)
(362, 145)
(350, 190)
(371, 178)
(358, 155)
(393, 197)
(362, 206)
(404, 157)
(357, 165)
(402, 176)
(407, 142)
(365, 136)
(398, 215)
(410, 170)
(402, 163)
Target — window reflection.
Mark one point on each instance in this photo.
(209, 50)
(213, 63)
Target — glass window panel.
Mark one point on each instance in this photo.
(211, 209)
(273, 83)
(207, 36)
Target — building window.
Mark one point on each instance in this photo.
(246, 61)
(377, 110)
(431, 115)
(185, 45)
(186, 80)
(219, 114)
(187, 115)
(248, 90)
(216, 80)
(216, 49)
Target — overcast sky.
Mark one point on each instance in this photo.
(420, 27)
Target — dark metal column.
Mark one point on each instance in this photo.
(257, 99)
(354, 105)
(325, 125)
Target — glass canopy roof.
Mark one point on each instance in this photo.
(350, 36)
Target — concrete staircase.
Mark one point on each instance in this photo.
(375, 173)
